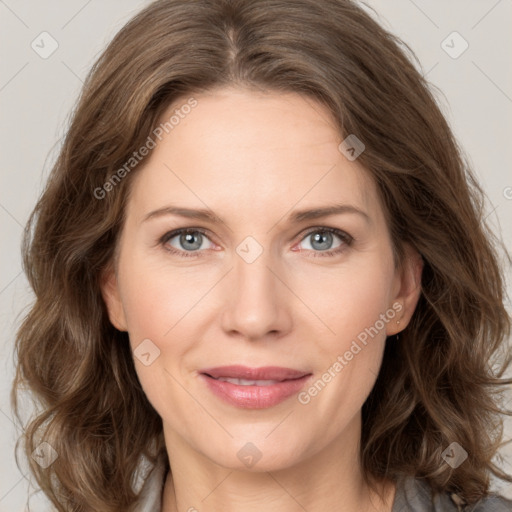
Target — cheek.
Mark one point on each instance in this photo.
(154, 301)
(161, 305)
(156, 308)
(351, 301)
(349, 360)
(353, 307)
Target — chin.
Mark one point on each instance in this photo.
(256, 455)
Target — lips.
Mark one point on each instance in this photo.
(254, 388)
(268, 373)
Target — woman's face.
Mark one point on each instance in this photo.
(257, 284)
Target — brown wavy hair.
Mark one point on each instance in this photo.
(440, 381)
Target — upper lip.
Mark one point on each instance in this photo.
(263, 373)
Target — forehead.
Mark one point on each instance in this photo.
(237, 149)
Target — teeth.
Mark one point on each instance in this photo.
(245, 382)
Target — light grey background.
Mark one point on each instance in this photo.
(36, 96)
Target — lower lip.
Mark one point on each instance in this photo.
(255, 397)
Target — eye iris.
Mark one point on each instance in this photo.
(192, 240)
(189, 237)
(321, 237)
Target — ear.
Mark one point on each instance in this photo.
(110, 293)
(407, 290)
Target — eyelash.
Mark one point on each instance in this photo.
(345, 237)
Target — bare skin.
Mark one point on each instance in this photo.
(254, 159)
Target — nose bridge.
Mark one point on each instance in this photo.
(254, 278)
(254, 306)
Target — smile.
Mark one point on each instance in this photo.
(235, 386)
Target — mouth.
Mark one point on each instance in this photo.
(245, 382)
(254, 388)
(271, 374)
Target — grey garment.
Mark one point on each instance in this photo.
(412, 495)
(415, 495)
(150, 497)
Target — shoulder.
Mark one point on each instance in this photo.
(414, 494)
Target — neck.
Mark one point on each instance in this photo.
(331, 479)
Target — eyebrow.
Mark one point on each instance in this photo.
(295, 217)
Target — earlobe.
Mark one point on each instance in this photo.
(111, 296)
(409, 290)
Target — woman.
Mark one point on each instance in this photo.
(327, 339)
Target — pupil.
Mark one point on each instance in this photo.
(189, 238)
(322, 239)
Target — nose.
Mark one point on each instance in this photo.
(257, 304)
